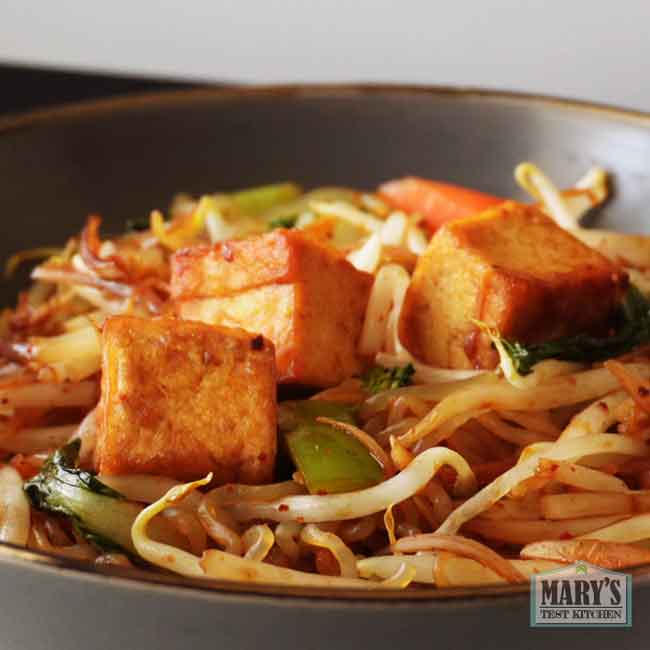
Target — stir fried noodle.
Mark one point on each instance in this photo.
(393, 470)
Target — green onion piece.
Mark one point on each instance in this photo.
(256, 200)
(330, 460)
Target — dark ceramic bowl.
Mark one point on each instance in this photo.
(121, 158)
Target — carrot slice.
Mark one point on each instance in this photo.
(437, 202)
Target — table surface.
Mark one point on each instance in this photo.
(25, 88)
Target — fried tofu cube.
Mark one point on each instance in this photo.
(299, 293)
(182, 399)
(514, 269)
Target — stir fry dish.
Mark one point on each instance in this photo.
(423, 385)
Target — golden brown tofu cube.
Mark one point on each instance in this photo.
(514, 269)
(302, 295)
(182, 399)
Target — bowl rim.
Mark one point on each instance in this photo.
(136, 578)
(160, 581)
(234, 92)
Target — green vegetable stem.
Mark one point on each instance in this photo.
(100, 514)
(330, 460)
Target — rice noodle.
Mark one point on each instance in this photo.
(521, 532)
(97, 298)
(113, 559)
(509, 509)
(534, 181)
(406, 404)
(31, 441)
(55, 531)
(586, 478)
(39, 540)
(374, 204)
(159, 553)
(110, 266)
(399, 409)
(74, 355)
(571, 450)
(258, 540)
(402, 578)
(632, 529)
(511, 434)
(146, 488)
(347, 212)
(588, 504)
(367, 257)
(380, 325)
(426, 512)
(608, 555)
(569, 207)
(561, 391)
(188, 525)
(538, 421)
(287, 537)
(416, 241)
(637, 388)
(460, 546)
(389, 524)
(596, 418)
(220, 525)
(441, 502)
(393, 230)
(356, 530)
(453, 571)
(14, 508)
(350, 391)
(352, 505)
(67, 276)
(406, 528)
(215, 223)
(223, 566)
(400, 455)
(383, 437)
(233, 493)
(49, 395)
(314, 536)
(87, 433)
(426, 374)
(595, 184)
(94, 319)
(386, 566)
(426, 393)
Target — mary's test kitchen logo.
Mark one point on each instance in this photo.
(581, 594)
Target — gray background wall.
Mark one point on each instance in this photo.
(586, 49)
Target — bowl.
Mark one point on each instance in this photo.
(121, 158)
